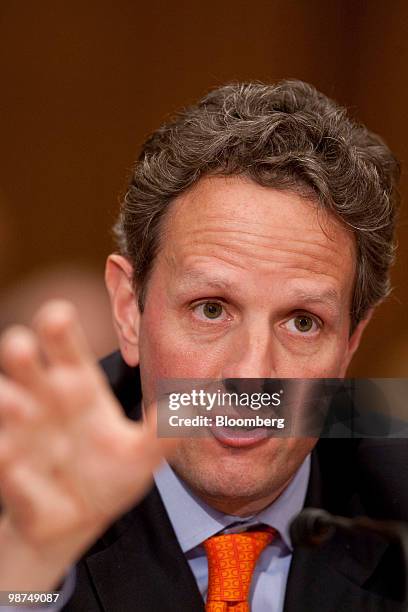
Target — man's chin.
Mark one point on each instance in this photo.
(228, 467)
(228, 476)
(230, 480)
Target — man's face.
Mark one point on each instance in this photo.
(250, 282)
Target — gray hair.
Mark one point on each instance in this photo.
(286, 136)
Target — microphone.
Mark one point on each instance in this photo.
(313, 526)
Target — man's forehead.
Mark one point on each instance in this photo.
(250, 208)
(232, 225)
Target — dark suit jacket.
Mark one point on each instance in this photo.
(138, 565)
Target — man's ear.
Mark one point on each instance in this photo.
(124, 304)
(355, 338)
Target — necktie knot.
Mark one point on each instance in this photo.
(231, 563)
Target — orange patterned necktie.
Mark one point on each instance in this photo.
(231, 562)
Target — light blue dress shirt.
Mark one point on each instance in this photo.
(194, 521)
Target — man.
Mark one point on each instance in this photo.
(255, 240)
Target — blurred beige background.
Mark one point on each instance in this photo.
(83, 83)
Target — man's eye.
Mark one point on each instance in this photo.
(302, 323)
(210, 310)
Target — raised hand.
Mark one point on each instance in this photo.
(70, 461)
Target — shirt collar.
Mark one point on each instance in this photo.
(194, 521)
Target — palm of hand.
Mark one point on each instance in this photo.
(70, 461)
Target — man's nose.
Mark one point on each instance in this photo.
(252, 354)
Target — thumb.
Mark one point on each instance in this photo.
(164, 444)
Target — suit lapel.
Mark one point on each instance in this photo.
(335, 577)
(316, 584)
(142, 566)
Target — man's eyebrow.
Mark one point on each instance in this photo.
(327, 296)
(197, 277)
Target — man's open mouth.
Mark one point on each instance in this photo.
(240, 436)
(242, 427)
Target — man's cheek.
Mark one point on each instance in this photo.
(165, 357)
(326, 364)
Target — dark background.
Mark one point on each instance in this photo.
(83, 83)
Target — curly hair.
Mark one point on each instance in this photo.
(287, 136)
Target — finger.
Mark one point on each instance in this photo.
(7, 452)
(61, 336)
(163, 445)
(136, 444)
(17, 407)
(79, 391)
(20, 358)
